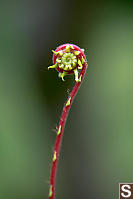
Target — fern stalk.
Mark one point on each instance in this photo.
(67, 59)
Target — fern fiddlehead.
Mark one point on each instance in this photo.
(67, 59)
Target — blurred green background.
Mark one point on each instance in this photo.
(97, 149)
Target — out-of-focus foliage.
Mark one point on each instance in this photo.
(97, 146)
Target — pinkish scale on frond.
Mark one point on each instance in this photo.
(67, 59)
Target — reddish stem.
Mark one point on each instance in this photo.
(62, 123)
